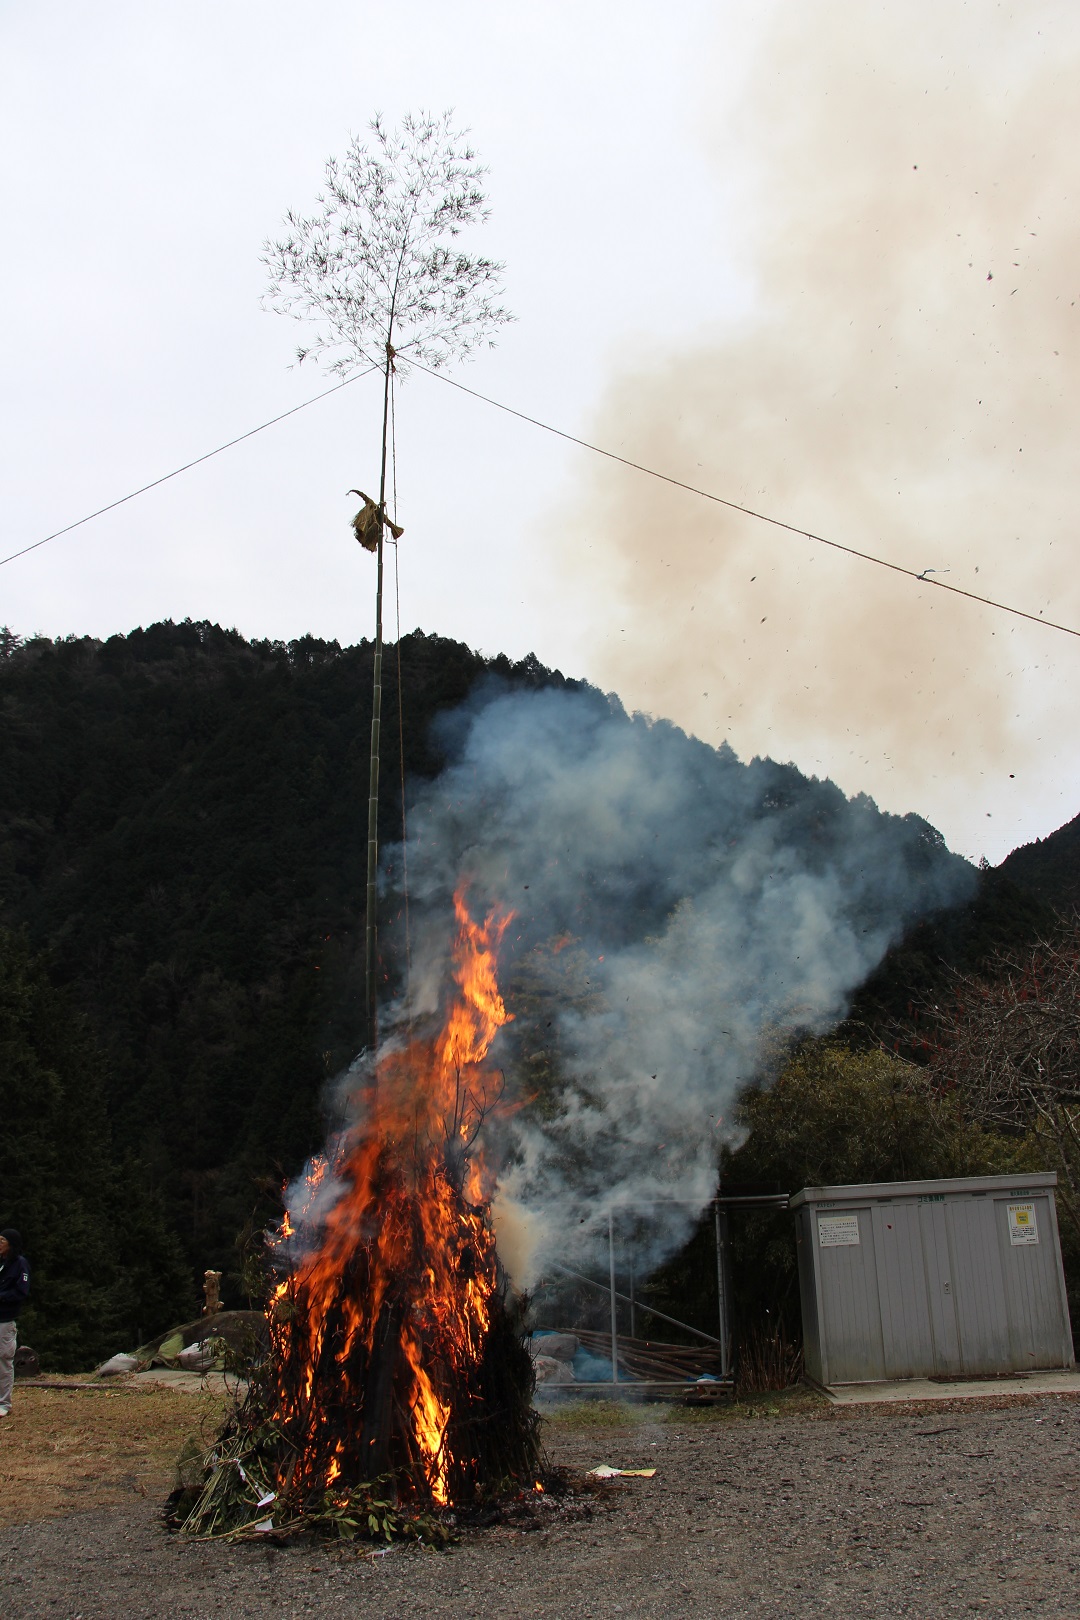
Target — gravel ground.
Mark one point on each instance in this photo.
(918, 1511)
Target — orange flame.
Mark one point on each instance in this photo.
(397, 1288)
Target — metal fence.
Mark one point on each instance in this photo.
(644, 1364)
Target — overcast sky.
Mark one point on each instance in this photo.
(636, 202)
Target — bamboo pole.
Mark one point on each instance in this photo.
(371, 997)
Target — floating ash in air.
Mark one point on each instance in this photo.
(394, 1350)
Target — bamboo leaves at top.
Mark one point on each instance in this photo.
(380, 262)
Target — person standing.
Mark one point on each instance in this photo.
(14, 1289)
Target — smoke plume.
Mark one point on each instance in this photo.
(677, 914)
(906, 382)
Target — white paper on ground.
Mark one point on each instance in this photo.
(605, 1471)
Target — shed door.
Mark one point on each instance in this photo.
(918, 1289)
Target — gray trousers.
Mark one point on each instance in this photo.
(7, 1358)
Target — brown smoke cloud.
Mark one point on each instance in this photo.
(907, 383)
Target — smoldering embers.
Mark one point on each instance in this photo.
(677, 913)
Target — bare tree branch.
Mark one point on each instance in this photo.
(1007, 1049)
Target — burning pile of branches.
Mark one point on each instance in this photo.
(397, 1383)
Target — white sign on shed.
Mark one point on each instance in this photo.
(837, 1231)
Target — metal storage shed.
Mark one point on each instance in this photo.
(917, 1279)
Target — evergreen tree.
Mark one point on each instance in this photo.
(104, 1265)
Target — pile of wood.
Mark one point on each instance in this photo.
(654, 1360)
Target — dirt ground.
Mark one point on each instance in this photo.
(777, 1512)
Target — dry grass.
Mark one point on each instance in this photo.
(65, 1450)
(768, 1361)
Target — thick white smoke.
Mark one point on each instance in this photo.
(907, 383)
(676, 912)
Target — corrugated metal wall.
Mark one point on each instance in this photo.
(924, 1279)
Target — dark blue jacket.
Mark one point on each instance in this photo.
(14, 1286)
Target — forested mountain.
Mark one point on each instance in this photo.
(182, 833)
(1049, 868)
(919, 970)
(182, 848)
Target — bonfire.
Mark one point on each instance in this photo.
(397, 1383)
